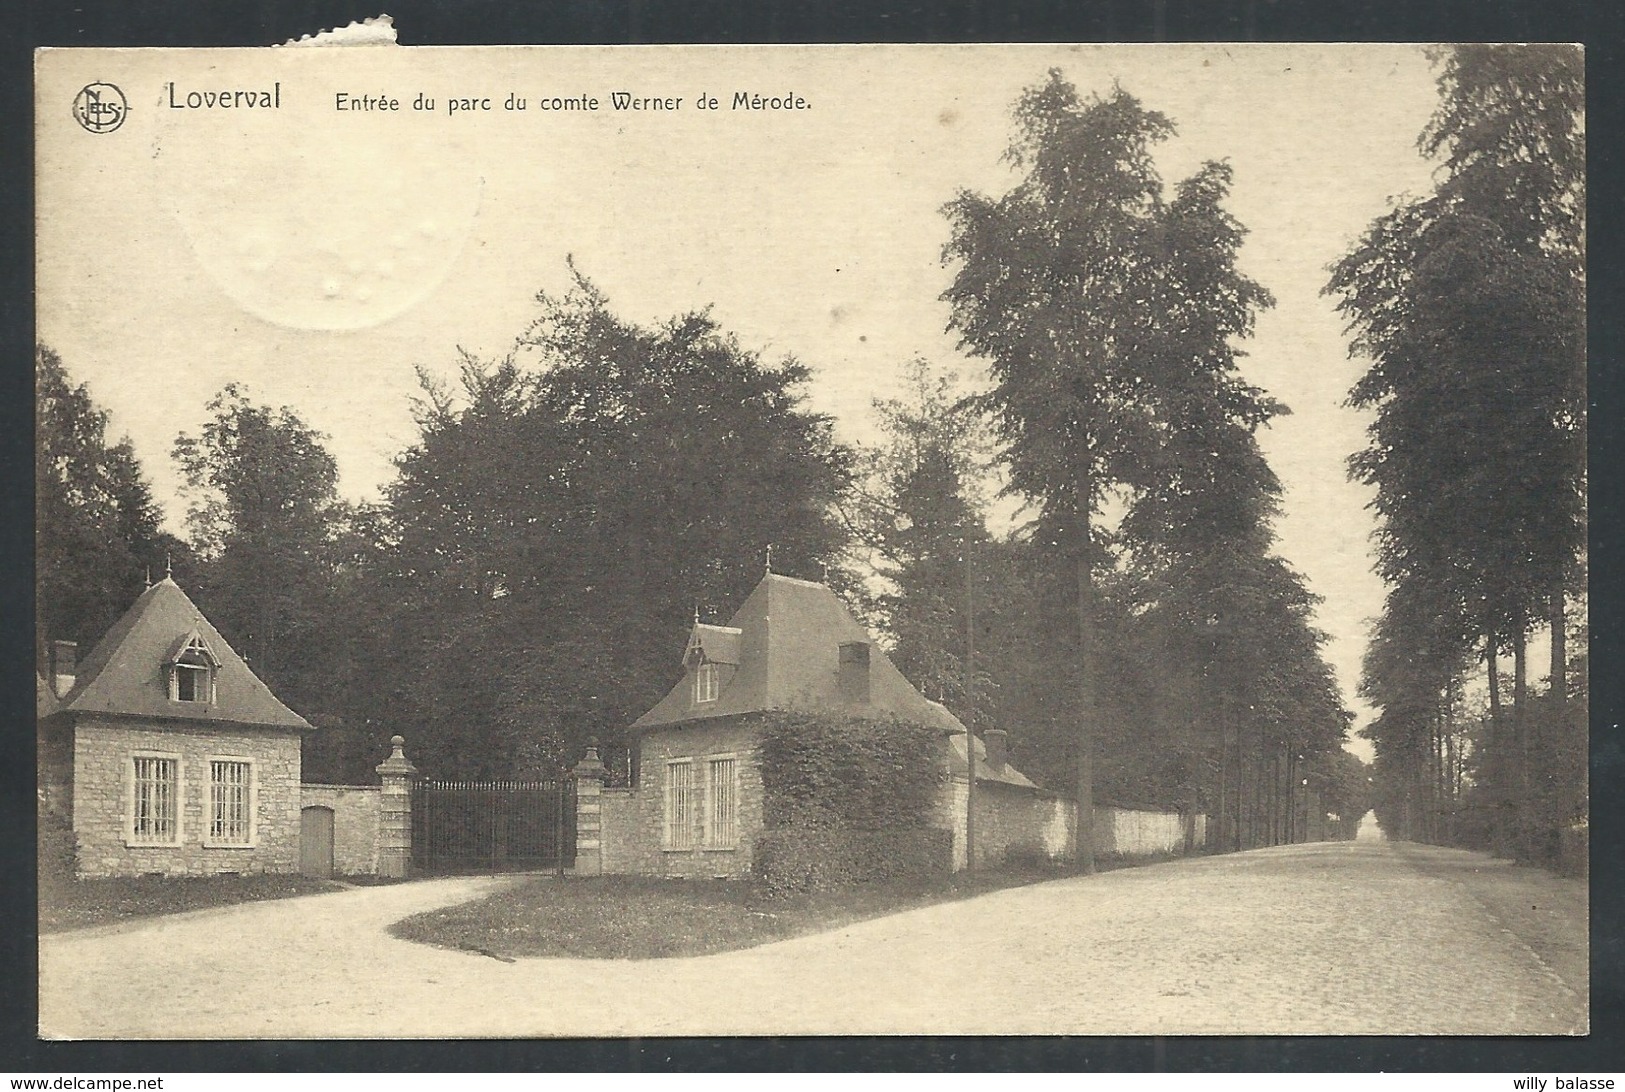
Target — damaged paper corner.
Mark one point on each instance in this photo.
(378, 30)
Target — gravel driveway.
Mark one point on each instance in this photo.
(1334, 938)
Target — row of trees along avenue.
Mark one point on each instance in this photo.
(1108, 313)
(528, 576)
(1469, 303)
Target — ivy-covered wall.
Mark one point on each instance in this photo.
(848, 800)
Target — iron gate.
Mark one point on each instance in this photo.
(493, 826)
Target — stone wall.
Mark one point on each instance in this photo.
(1014, 823)
(1022, 825)
(630, 843)
(633, 820)
(103, 754)
(1123, 833)
(355, 824)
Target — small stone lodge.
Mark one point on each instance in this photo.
(162, 753)
(792, 645)
(165, 753)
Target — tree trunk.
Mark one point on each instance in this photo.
(1520, 736)
(1568, 740)
(1492, 658)
(1291, 813)
(970, 712)
(1495, 764)
(1220, 836)
(1569, 775)
(1246, 775)
(1192, 799)
(1266, 800)
(1088, 704)
(1257, 833)
(1560, 654)
(1282, 798)
(1452, 775)
(1271, 791)
(1438, 774)
(1428, 783)
(1241, 788)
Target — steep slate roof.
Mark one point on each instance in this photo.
(789, 647)
(125, 674)
(788, 636)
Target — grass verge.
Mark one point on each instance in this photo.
(77, 904)
(627, 917)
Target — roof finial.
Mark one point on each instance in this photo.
(148, 576)
(769, 559)
(696, 612)
(169, 573)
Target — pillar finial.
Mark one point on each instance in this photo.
(591, 766)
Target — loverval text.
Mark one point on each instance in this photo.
(610, 102)
(224, 98)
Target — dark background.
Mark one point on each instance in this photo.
(1597, 24)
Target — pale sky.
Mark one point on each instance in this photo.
(317, 256)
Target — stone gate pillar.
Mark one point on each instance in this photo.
(590, 776)
(395, 813)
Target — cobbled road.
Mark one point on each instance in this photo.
(1354, 938)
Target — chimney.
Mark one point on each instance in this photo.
(64, 665)
(997, 741)
(854, 673)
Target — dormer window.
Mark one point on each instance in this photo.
(191, 683)
(707, 684)
(710, 649)
(192, 668)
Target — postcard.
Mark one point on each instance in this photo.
(550, 542)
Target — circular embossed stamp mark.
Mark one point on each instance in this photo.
(100, 107)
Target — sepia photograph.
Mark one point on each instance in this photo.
(906, 540)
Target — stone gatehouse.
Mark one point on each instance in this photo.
(164, 753)
(792, 645)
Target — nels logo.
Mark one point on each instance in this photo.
(100, 107)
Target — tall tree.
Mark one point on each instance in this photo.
(264, 516)
(1048, 288)
(1105, 313)
(97, 528)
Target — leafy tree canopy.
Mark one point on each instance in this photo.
(563, 516)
